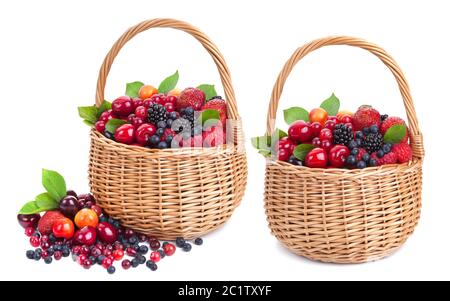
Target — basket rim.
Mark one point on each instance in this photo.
(342, 171)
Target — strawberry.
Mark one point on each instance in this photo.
(213, 137)
(403, 151)
(191, 97)
(47, 220)
(389, 158)
(219, 105)
(365, 117)
(390, 121)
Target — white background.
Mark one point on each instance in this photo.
(50, 53)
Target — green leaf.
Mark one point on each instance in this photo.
(295, 113)
(169, 83)
(112, 125)
(331, 105)
(30, 208)
(132, 89)
(265, 152)
(209, 91)
(277, 135)
(88, 113)
(105, 106)
(262, 142)
(210, 116)
(395, 133)
(54, 184)
(88, 123)
(302, 150)
(45, 201)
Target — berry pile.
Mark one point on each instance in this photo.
(78, 228)
(328, 138)
(162, 118)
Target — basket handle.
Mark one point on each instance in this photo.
(175, 24)
(416, 136)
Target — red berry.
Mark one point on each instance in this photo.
(141, 112)
(172, 99)
(131, 252)
(118, 254)
(316, 127)
(169, 249)
(123, 106)
(316, 142)
(317, 158)
(57, 255)
(28, 220)
(155, 256)
(332, 118)
(170, 107)
(87, 264)
(144, 132)
(284, 147)
(148, 102)
(326, 134)
(107, 252)
(300, 131)
(125, 134)
(81, 258)
(106, 232)
(337, 155)
(100, 126)
(35, 241)
(345, 119)
(159, 99)
(105, 116)
(97, 209)
(326, 145)
(154, 244)
(330, 124)
(135, 121)
(126, 264)
(137, 102)
(106, 262)
(29, 231)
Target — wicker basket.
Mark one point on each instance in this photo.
(173, 192)
(340, 215)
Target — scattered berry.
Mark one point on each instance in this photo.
(198, 241)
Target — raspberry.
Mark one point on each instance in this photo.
(389, 158)
(390, 121)
(403, 152)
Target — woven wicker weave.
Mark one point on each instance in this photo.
(340, 215)
(173, 192)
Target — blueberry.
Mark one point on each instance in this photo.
(380, 153)
(109, 135)
(65, 252)
(173, 115)
(38, 251)
(30, 254)
(111, 269)
(116, 224)
(134, 262)
(132, 240)
(293, 160)
(151, 265)
(386, 148)
(352, 144)
(351, 160)
(169, 139)
(154, 140)
(372, 162)
(161, 252)
(37, 256)
(160, 132)
(163, 145)
(187, 247)
(359, 135)
(180, 242)
(358, 142)
(100, 259)
(140, 259)
(198, 241)
(36, 234)
(48, 260)
(103, 219)
(366, 131)
(143, 250)
(189, 111)
(374, 129)
(52, 238)
(354, 151)
(161, 124)
(50, 251)
(361, 164)
(365, 157)
(57, 248)
(169, 123)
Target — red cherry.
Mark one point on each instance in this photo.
(345, 119)
(35, 241)
(100, 126)
(316, 142)
(333, 118)
(326, 134)
(123, 106)
(316, 127)
(144, 132)
(106, 232)
(63, 228)
(169, 249)
(337, 155)
(106, 262)
(81, 259)
(317, 158)
(170, 107)
(148, 102)
(284, 148)
(172, 99)
(29, 231)
(300, 131)
(330, 124)
(137, 102)
(105, 116)
(135, 121)
(131, 252)
(97, 209)
(125, 134)
(141, 112)
(326, 144)
(155, 256)
(28, 220)
(118, 254)
(85, 236)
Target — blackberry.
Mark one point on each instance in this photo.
(215, 97)
(342, 134)
(372, 142)
(384, 117)
(190, 115)
(156, 113)
(181, 125)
